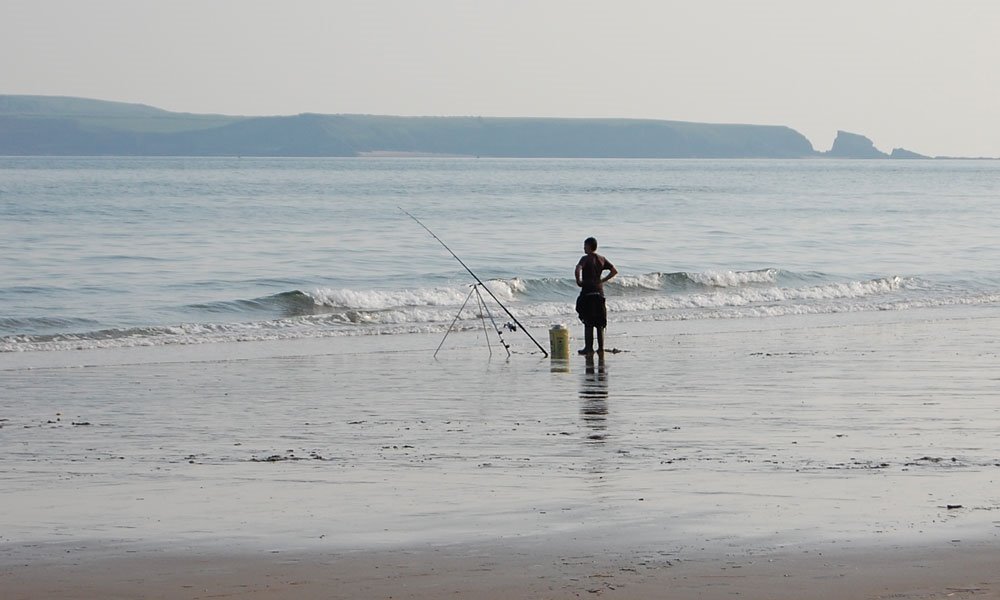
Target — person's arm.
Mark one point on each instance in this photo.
(613, 272)
(579, 273)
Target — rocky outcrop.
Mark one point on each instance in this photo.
(853, 145)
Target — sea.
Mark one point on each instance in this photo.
(110, 252)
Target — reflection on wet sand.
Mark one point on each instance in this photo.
(594, 393)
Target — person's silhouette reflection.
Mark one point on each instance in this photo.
(594, 393)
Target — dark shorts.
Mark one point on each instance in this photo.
(592, 310)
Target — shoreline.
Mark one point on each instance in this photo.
(468, 344)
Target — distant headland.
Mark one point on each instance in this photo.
(64, 126)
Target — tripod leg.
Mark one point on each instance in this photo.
(506, 346)
(482, 308)
(455, 320)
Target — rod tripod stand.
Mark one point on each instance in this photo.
(484, 313)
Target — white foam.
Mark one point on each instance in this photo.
(724, 279)
(733, 278)
(649, 281)
(379, 300)
(388, 299)
(750, 296)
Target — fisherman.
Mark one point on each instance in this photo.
(590, 303)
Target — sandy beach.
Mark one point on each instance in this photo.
(823, 457)
(494, 571)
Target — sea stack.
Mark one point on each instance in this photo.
(853, 145)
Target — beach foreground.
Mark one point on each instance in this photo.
(843, 456)
(493, 571)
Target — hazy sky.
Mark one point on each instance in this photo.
(921, 74)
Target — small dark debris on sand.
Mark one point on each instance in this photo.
(275, 458)
(289, 456)
(930, 459)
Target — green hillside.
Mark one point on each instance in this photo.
(41, 125)
(97, 115)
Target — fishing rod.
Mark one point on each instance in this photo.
(478, 280)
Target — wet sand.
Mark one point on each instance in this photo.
(824, 457)
(493, 571)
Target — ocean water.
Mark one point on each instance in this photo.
(120, 252)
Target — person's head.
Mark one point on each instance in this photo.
(590, 245)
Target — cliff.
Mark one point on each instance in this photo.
(40, 125)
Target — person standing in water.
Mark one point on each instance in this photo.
(590, 304)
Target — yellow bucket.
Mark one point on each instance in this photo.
(559, 341)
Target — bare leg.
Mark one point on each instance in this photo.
(588, 340)
(600, 339)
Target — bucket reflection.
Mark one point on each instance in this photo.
(558, 365)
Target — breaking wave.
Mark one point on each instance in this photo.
(325, 312)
